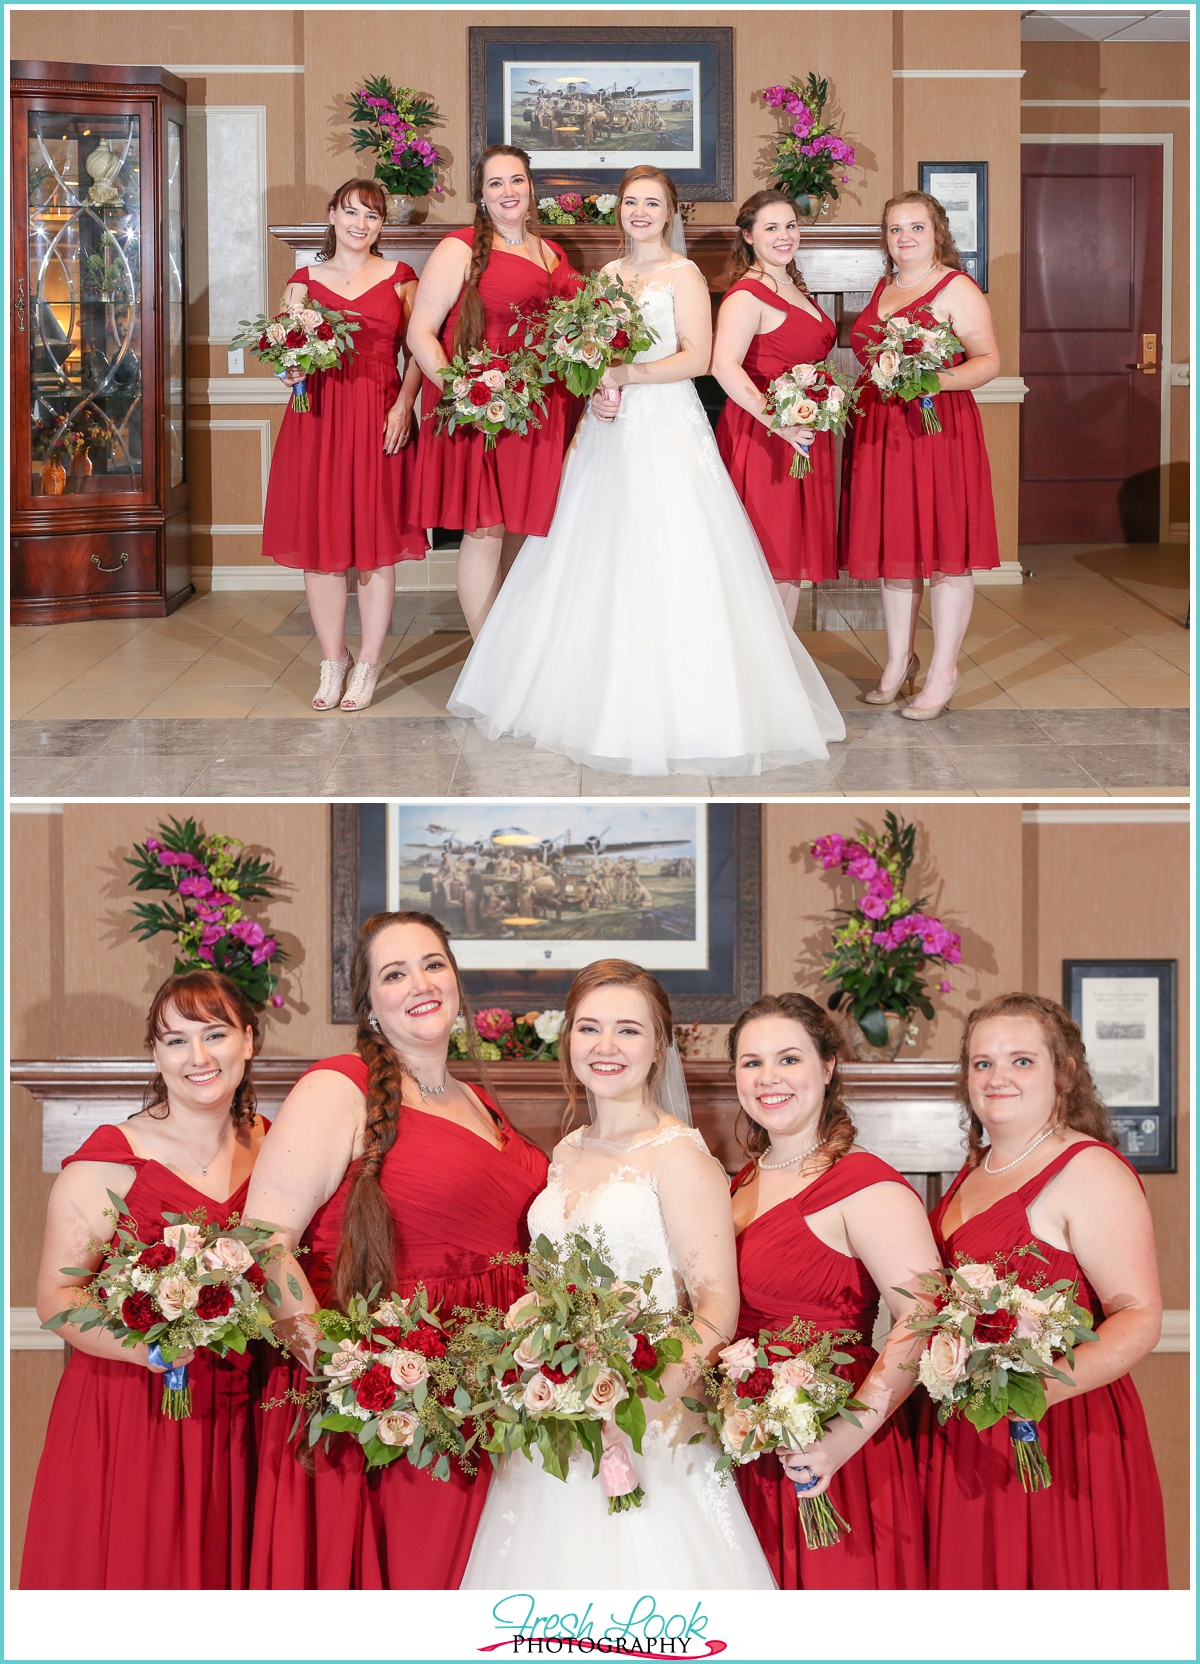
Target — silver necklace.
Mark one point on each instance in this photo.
(896, 283)
(778, 1166)
(993, 1170)
(203, 1165)
(513, 241)
(432, 1091)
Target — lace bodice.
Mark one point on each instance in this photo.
(656, 298)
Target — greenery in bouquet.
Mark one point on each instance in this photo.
(303, 336)
(393, 119)
(886, 941)
(816, 396)
(502, 1035)
(582, 334)
(492, 393)
(906, 361)
(810, 157)
(570, 208)
(211, 882)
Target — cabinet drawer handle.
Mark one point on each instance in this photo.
(121, 559)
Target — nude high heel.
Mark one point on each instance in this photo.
(880, 696)
(333, 679)
(360, 689)
(915, 715)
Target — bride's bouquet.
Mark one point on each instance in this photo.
(600, 324)
(200, 1284)
(906, 359)
(303, 336)
(580, 1349)
(776, 1393)
(990, 1344)
(813, 396)
(491, 392)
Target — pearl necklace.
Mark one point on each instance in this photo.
(896, 283)
(778, 1166)
(994, 1170)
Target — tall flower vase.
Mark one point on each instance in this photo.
(862, 1048)
(400, 209)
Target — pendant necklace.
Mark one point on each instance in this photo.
(203, 1166)
(994, 1170)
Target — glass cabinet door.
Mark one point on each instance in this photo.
(85, 303)
(175, 321)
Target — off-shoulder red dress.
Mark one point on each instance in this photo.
(785, 1271)
(795, 520)
(456, 1201)
(1100, 1524)
(461, 484)
(334, 498)
(125, 1497)
(914, 503)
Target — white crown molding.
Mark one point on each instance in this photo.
(1105, 104)
(34, 806)
(234, 69)
(1105, 814)
(957, 74)
(1001, 390)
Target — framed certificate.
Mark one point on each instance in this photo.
(961, 188)
(1126, 1011)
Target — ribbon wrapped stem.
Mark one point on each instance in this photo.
(177, 1395)
(1033, 1469)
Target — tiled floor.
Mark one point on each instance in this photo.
(1076, 681)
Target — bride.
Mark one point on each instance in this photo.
(643, 634)
(645, 1178)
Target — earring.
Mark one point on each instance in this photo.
(374, 1021)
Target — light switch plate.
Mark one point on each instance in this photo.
(237, 361)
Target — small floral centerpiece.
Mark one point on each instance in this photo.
(776, 1393)
(582, 334)
(992, 1342)
(211, 882)
(492, 393)
(572, 209)
(906, 360)
(505, 1036)
(201, 1284)
(886, 940)
(810, 157)
(393, 120)
(813, 396)
(303, 336)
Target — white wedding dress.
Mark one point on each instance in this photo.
(643, 634)
(691, 1531)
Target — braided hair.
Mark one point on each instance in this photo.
(835, 1129)
(742, 260)
(472, 318)
(203, 997)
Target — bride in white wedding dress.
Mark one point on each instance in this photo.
(644, 634)
(645, 1178)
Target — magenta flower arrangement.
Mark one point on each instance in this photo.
(810, 158)
(885, 941)
(393, 120)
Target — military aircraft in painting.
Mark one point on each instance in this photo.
(507, 839)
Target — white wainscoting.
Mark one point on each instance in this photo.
(227, 190)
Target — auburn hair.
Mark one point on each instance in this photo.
(1079, 1105)
(471, 326)
(835, 1130)
(616, 973)
(203, 997)
(370, 194)
(743, 255)
(945, 251)
(631, 177)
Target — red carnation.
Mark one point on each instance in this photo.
(376, 1390)
(756, 1385)
(620, 340)
(994, 1328)
(156, 1256)
(645, 1353)
(263, 344)
(818, 394)
(518, 386)
(553, 1373)
(480, 394)
(295, 338)
(913, 347)
(139, 1312)
(426, 1341)
(256, 1276)
(214, 1300)
(510, 1377)
(324, 332)
(499, 364)
(389, 1332)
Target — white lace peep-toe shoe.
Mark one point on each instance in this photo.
(333, 679)
(360, 689)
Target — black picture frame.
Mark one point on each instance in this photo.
(710, 47)
(733, 979)
(974, 259)
(1147, 1133)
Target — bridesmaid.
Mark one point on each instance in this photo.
(918, 505)
(392, 1173)
(823, 1230)
(767, 324)
(341, 490)
(1049, 1174)
(465, 300)
(125, 1497)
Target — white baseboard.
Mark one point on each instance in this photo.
(1008, 572)
(1179, 531)
(437, 575)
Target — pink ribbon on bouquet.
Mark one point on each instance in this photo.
(616, 1472)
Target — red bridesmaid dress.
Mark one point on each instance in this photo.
(125, 1497)
(914, 503)
(460, 484)
(785, 1271)
(794, 520)
(334, 498)
(1100, 1524)
(456, 1201)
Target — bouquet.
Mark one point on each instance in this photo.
(303, 336)
(990, 1345)
(201, 1284)
(777, 1393)
(491, 392)
(599, 325)
(809, 396)
(572, 209)
(907, 357)
(581, 1348)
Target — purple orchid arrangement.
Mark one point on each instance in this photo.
(809, 153)
(393, 120)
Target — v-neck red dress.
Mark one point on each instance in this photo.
(795, 520)
(334, 498)
(785, 1271)
(125, 1497)
(461, 484)
(914, 503)
(1100, 1524)
(456, 1201)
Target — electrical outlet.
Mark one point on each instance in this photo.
(237, 361)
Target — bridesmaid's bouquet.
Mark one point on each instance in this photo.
(303, 336)
(200, 1284)
(492, 392)
(600, 324)
(814, 396)
(580, 1349)
(777, 1393)
(906, 359)
(991, 1342)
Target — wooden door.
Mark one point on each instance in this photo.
(1091, 339)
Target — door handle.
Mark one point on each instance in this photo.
(1149, 361)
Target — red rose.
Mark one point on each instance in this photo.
(756, 1385)
(263, 344)
(913, 347)
(215, 1300)
(480, 394)
(994, 1328)
(620, 340)
(139, 1312)
(324, 332)
(518, 386)
(818, 395)
(391, 1333)
(553, 1373)
(295, 338)
(376, 1390)
(256, 1276)
(156, 1256)
(645, 1353)
(426, 1341)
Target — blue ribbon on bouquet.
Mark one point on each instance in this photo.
(1023, 1432)
(926, 401)
(298, 388)
(175, 1379)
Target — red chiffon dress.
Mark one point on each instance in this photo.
(914, 503)
(786, 1271)
(334, 498)
(460, 484)
(126, 1497)
(456, 1201)
(795, 520)
(1100, 1524)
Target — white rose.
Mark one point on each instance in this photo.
(546, 202)
(493, 379)
(804, 375)
(886, 365)
(549, 1026)
(944, 1364)
(496, 411)
(606, 204)
(931, 339)
(229, 1255)
(539, 1396)
(608, 1389)
(562, 347)
(175, 1296)
(185, 1239)
(398, 1427)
